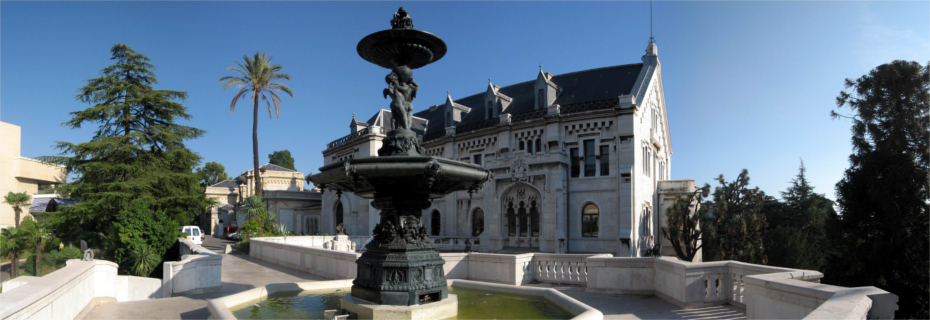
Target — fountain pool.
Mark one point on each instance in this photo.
(473, 304)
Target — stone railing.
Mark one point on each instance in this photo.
(561, 268)
(444, 243)
(314, 241)
(314, 260)
(199, 271)
(69, 292)
(764, 291)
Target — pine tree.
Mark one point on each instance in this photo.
(136, 157)
(882, 235)
(282, 158)
(797, 233)
(736, 225)
(212, 173)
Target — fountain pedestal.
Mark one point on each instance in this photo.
(400, 275)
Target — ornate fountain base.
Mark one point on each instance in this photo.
(400, 265)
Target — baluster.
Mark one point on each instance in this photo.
(742, 286)
(706, 287)
(583, 273)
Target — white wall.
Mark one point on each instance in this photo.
(199, 271)
(65, 293)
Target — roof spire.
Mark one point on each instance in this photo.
(651, 38)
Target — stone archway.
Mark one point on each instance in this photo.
(521, 206)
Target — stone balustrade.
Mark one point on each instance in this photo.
(765, 292)
(69, 292)
(562, 268)
(199, 271)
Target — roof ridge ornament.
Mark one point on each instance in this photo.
(401, 20)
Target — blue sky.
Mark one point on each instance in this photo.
(748, 84)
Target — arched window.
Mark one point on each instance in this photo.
(522, 213)
(538, 145)
(477, 222)
(337, 214)
(435, 223)
(534, 218)
(511, 220)
(589, 217)
(529, 147)
(522, 145)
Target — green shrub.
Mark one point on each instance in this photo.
(242, 246)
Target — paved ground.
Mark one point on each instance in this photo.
(216, 244)
(240, 273)
(5, 269)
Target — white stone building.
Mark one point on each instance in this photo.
(579, 162)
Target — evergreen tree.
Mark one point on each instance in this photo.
(683, 229)
(212, 173)
(135, 162)
(736, 225)
(882, 234)
(282, 158)
(797, 233)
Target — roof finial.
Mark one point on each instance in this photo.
(489, 80)
(651, 38)
(540, 67)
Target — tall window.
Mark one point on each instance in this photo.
(534, 218)
(477, 222)
(522, 145)
(337, 213)
(511, 220)
(590, 165)
(589, 219)
(435, 223)
(573, 154)
(477, 159)
(605, 160)
(540, 99)
(490, 109)
(538, 145)
(522, 213)
(529, 147)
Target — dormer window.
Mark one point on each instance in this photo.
(490, 109)
(540, 99)
(449, 119)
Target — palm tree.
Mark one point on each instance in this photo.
(256, 210)
(17, 201)
(35, 233)
(143, 260)
(11, 244)
(258, 75)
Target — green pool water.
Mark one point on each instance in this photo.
(473, 304)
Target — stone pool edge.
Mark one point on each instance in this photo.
(219, 307)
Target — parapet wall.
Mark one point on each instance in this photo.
(199, 271)
(67, 292)
(765, 292)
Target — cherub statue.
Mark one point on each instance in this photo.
(402, 90)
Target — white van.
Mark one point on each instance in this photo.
(193, 233)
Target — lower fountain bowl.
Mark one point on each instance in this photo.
(361, 309)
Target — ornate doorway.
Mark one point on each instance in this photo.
(521, 208)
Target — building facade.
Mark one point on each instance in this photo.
(581, 163)
(282, 192)
(20, 174)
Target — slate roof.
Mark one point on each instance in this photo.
(274, 167)
(228, 183)
(577, 87)
(383, 119)
(43, 204)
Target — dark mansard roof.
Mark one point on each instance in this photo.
(581, 87)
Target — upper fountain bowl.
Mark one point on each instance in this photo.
(401, 45)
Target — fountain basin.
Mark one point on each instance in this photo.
(220, 308)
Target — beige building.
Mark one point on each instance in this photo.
(283, 193)
(19, 174)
